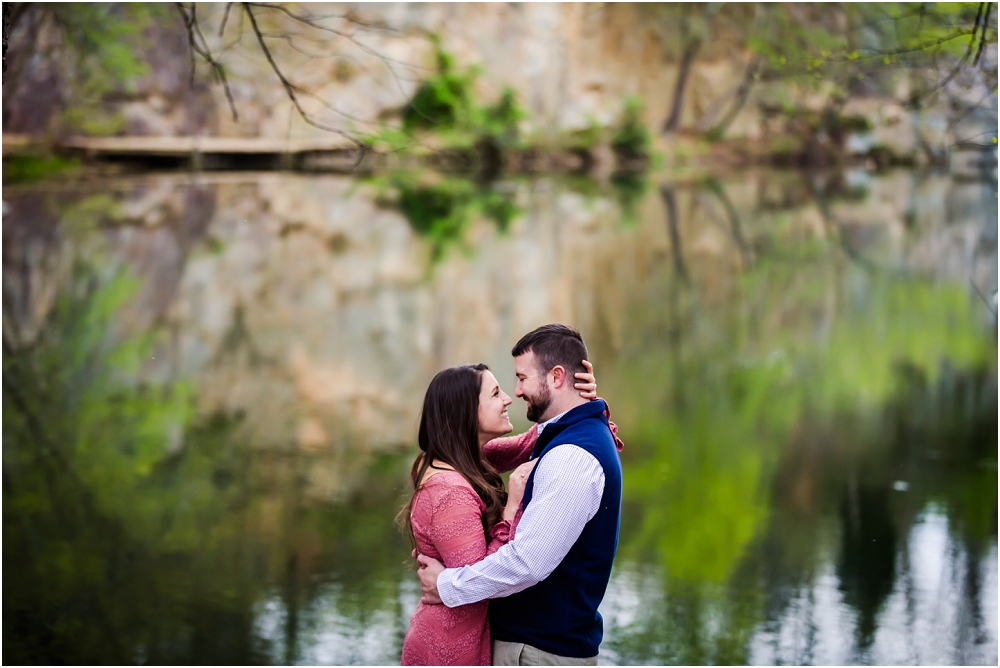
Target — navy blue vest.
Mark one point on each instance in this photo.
(559, 614)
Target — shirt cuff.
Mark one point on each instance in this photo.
(445, 588)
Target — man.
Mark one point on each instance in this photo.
(547, 583)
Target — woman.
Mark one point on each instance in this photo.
(459, 512)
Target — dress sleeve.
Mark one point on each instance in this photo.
(503, 532)
(456, 526)
(612, 426)
(508, 452)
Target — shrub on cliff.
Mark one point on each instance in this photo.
(443, 100)
(446, 102)
(631, 140)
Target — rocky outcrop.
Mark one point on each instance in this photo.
(572, 66)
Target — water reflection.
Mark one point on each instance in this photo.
(211, 387)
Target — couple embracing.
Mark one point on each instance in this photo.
(514, 577)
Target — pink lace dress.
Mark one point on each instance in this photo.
(447, 525)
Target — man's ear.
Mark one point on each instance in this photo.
(558, 376)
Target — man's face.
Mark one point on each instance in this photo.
(532, 386)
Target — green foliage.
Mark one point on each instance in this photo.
(19, 169)
(106, 37)
(630, 188)
(90, 213)
(127, 522)
(587, 138)
(137, 531)
(584, 185)
(742, 425)
(870, 42)
(441, 209)
(438, 212)
(500, 120)
(849, 123)
(631, 138)
(842, 50)
(81, 363)
(500, 207)
(94, 120)
(104, 41)
(443, 100)
(446, 105)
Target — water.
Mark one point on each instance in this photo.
(211, 386)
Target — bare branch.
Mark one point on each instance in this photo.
(982, 296)
(982, 36)
(225, 17)
(291, 89)
(302, 91)
(314, 24)
(964, 59)
(204, 51)
(741, 96)
(220, 72)
(190, 30)
(349, 17)
(876, 53)
(239, 35)
(289, 39)
(968, 143)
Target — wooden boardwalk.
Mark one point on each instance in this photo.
(182, 146)
(327, 153)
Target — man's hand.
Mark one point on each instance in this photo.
(430, 569)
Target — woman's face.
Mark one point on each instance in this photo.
(493, 403)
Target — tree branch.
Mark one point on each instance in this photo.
(204, 51)
(741, 97)
(377, 25)
(673, 225)
(312, 23)
(225, 17)
(291, 89)
(190, 31)
(982, 36)
(986, 301)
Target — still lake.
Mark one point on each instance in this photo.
(211, 385)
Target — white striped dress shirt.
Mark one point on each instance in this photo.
(567, 491)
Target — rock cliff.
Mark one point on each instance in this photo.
(571, 65)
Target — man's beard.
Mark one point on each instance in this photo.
(538, 404)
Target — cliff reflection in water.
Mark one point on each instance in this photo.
(211, 387)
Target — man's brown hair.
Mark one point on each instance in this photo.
(554, 345)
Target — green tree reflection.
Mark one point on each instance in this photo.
(756, 428)
(135, 532)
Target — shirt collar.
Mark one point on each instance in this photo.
(543, 425)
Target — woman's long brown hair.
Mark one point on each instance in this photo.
(449, 433)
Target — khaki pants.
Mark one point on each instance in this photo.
(519, 654)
